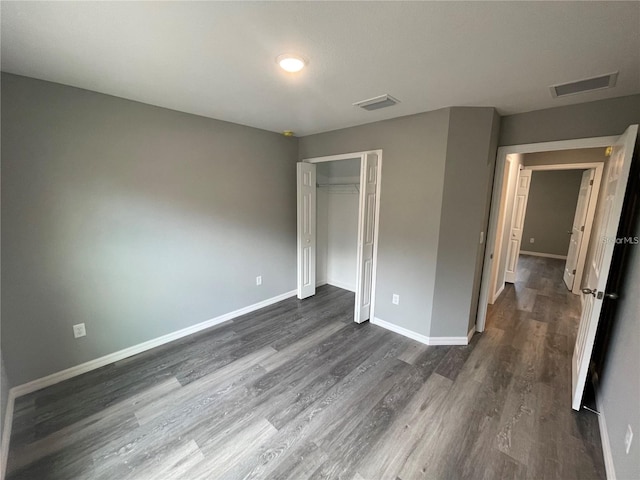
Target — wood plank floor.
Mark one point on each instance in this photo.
(297, 390)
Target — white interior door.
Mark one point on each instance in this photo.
(306, 174)
(517, 224)
(366, 236)
(577, 230)
(608, 218)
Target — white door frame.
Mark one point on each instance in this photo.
(591, 210)
(362, 156)
(502, 224)
(575, 144)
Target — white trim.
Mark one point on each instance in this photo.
(62, 375)
(574, 144)
(609, 466)
(564, 166)
(470, 335)
(422, 338)
(498, 293)
(540, 254)
(342, 156)
(345, 286)
(449, 340)
(6, 433)
(495, 203)
(400, 330)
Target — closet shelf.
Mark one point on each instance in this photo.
(340, 187)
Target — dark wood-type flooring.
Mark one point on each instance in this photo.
(297, 390)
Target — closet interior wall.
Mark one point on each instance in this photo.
(337, 222)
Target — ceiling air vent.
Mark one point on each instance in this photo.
(375, 103)
(586, 85)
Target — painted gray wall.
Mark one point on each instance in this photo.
(553, 196)
(414, 151)
(620, 382)
(595, 119)
(471, 153)
(430, 213)
(580, 155)
(584, 120)
(342, 239)
(136, 220)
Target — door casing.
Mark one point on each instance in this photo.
(490, 246)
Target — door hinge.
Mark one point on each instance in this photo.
(574, 272)
(582, 228)
(491, 256)
(590, 182)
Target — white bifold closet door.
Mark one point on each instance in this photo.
(517, 225)
(306, 173)
(307, 232)
(366, 236)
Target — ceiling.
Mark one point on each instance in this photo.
(217, 59)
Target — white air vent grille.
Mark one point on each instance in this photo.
(587, 85)
(375, 103)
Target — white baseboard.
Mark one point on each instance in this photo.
(423, 338)
(57, 377)
(471, 334)
(604, 437)
(344, 286)
(547, 255)
(6, 434)
(500, 290)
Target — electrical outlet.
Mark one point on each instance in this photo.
(627, 439)
(481, 237)
(395, 299)
(532, 240)
(79, 330)
(259, 280)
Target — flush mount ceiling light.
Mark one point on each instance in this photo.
(291, 63)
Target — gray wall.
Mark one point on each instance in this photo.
(436, 177)
(620, 382)
(620, 393)
(136, 220)
(584, 120)
(579, 155)
(553, 196)
(471, 153)
(414, 150)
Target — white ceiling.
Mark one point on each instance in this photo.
(217, 59)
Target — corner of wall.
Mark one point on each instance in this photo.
(472, 140)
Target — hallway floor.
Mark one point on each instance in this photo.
(539, 316)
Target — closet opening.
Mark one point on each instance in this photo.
(338, 208)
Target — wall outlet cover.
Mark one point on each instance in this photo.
(79, 330)
(395, 299)
(259, 280)
(532, 240)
